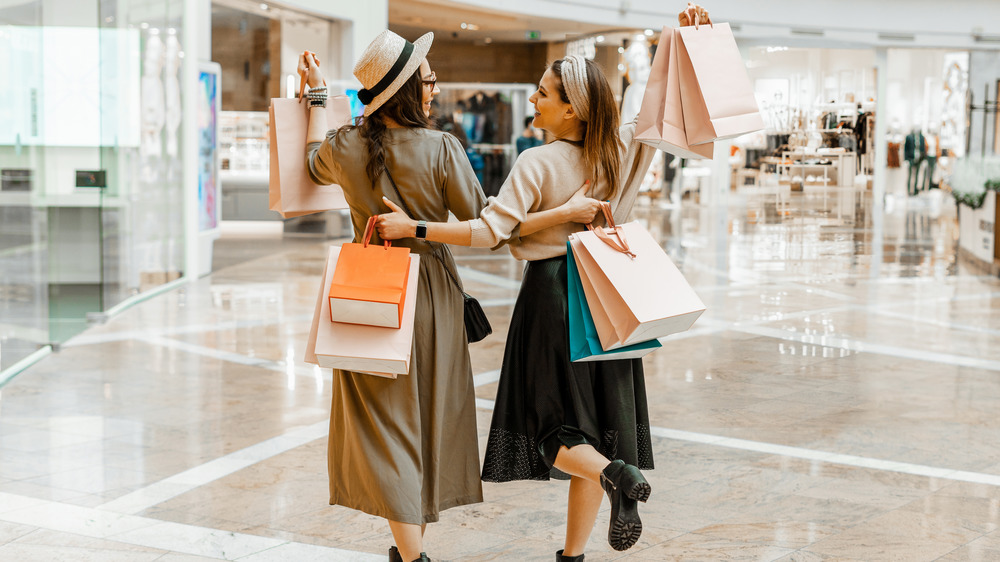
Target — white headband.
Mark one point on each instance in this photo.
(574, 80)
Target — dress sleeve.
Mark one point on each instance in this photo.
(520, 194)
(320, 162)
(459, 186)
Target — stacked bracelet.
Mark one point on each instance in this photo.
(317, 96)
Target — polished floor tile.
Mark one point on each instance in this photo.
(837, 401)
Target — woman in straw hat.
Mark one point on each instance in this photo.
(403, 449)
(554, 417)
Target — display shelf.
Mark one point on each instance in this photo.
(804, 162)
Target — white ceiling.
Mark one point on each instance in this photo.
(412, 18)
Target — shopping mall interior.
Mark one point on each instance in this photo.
(837, 400)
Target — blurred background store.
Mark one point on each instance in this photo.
(132, 132)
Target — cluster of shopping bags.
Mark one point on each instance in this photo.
(624, 293)
(698, 92)
(365, 309)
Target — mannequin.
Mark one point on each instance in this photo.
(152, 103)
(172, 90)
(914, 152)
(933, 151)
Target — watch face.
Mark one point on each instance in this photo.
(421, 229)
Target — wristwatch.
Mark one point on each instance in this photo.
(421, 230)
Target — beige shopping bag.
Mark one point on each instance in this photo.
(716, 93)
(634, 291)
(660, 122)
(371, 350)
(290, 190)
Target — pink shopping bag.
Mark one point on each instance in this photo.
(290, 191)
(634, 291)
(660, 122)
(371, 350)
(716, 93)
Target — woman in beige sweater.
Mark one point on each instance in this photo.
(552, 416)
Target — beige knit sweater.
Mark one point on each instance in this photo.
(545, 177)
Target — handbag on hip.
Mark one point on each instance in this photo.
(477, 326)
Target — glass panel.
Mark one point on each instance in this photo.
(24, 293)
(142, 216)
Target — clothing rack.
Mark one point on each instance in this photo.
(987, 107)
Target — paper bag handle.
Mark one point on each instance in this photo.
(370, 228)
(605, 234)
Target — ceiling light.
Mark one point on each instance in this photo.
(470, 26)
(264, 7)
(488, 40)
(648, 32)
(600, 38)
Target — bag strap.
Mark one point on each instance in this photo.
(434, 248)
(605, 234)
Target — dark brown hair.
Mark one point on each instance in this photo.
(601, 144)
(406, 108)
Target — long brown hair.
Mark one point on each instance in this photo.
(406, 108)
(601, 144)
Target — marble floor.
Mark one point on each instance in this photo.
(838, 401)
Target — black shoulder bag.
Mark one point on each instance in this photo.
(477, 326)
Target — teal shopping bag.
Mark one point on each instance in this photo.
(584, 343)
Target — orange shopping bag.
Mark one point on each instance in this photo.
(290, 190)
(369, 284)
(660, 122)
(371, 350)
(634, 292)
(716, 92)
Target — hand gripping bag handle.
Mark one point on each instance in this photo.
(613, 235)
(370, 228)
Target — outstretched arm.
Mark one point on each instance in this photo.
(397, 224)
(579, 208)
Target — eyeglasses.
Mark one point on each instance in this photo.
(430, 81)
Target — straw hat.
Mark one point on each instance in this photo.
(386, 65)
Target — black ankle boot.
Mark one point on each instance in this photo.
(423, 558)
(625, 487)
(561, 558)
(394, 555)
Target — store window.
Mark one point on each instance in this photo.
(90, 165)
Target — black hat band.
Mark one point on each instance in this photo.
(366, 95)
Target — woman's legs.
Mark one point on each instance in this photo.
(584, 464)
(581, 512)
(409, 539)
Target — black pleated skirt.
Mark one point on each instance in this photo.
(544, 400)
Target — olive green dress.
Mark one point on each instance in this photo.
(406, 448)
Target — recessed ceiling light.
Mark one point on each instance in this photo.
(470, 26)
(600, 38)
(648, 32)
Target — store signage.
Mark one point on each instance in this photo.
(91, 178)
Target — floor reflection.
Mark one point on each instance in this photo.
(836, 401)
